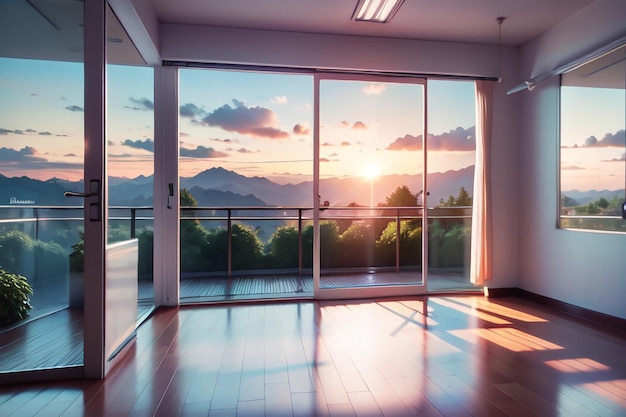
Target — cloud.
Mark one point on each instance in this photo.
(571, 168)
(345, 123)
(620, 159)
(45, 133)
(74, 108)
(359, 125)
(374, 89)
(201, 152)
(254, 121)
(327, 144)
(146, 144)
(609, 140)
(301, 129)
(279, 100)
(191, 111)
(140, 104)
(224, 140)
(458, 139)
(244, 150)
(345, 143)
(26, 154)
(28, 158)
(70, 154)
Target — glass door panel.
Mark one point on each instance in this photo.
(41, 157)
(246, 181)
(371, 164)
(451, 154)
(130, 152)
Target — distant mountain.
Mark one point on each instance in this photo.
(219, 187)
(28, 191)
(586, 197)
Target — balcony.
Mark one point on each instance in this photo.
(251, 252)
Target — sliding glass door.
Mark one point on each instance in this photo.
(370, 184)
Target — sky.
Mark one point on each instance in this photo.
(261, 124)
(593, 145)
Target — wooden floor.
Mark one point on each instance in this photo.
(430, 356)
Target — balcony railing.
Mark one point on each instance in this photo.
(251, 241)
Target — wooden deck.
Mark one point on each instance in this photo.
(424, 356)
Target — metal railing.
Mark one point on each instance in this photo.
(231, 215)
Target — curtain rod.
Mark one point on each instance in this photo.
(311, 71)
(570, 66)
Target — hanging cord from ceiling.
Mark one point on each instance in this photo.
(500, 20)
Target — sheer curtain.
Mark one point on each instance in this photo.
(481, 240)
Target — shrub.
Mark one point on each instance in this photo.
(14, 298)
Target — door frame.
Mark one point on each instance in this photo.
(374, 291)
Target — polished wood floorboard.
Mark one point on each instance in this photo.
(426, 356)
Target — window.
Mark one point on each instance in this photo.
(593, 144)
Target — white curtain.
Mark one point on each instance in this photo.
(481, 241)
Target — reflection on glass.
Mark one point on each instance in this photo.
(41, 156)
(246, 168)
(130, 153)
(593, 144)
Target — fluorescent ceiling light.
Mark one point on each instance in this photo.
(379, 11)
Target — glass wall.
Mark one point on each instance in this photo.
(593, 144)
(246, 179)
(130, 137)
(41, 157)
(371, 179)
(451, 154)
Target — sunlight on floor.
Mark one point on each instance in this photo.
(454, 304)
(577, 365)
(508, 338)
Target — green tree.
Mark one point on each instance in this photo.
(463, 199)
(247, 248)
(603, 203)
(283, 247)
(356, 245)
(401, 197)
(187, 199)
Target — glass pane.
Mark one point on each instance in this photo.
(451, 158)
(130, 134)
(593, 145)
(246, 168)
(371, 170)
(41, 156)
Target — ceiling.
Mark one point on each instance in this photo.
(469, 21)
(52, 29)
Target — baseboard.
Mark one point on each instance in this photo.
(595, 317)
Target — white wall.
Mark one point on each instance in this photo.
(306, 50)
(252, 47)
(582, 268)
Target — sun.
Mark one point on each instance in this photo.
(371, 171)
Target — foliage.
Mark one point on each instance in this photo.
(25, 256)
(187, 199)
(283, 247)
(401, 197)
(15, 244)
(356, 245)
(77, 257)
(410, 243)
(463, 199)
(14, 298)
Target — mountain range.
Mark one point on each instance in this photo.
(219, 187)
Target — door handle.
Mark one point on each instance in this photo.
(94, 206)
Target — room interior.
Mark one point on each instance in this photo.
(579, 272)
